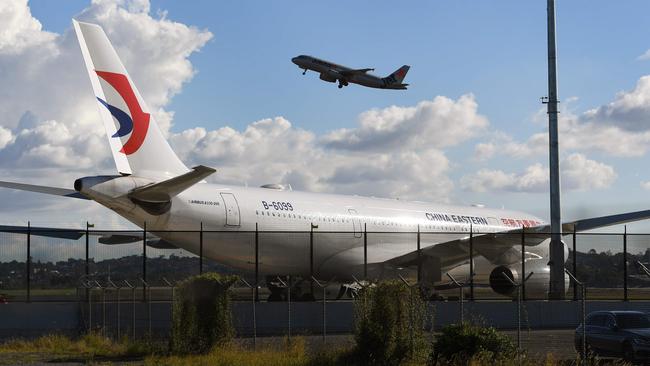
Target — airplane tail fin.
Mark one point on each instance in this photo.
(398, 76)
(137, 144)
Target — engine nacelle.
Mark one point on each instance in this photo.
(500, 284)
(328, 77)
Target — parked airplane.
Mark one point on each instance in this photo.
(156, 191)
(331, 72)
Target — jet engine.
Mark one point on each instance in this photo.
(328, 77)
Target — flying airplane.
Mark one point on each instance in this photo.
(331, 72)
(156, 191)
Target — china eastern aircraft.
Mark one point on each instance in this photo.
(153, 189)
(332, 72)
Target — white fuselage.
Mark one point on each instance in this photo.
(230, 215)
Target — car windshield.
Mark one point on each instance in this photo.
(632, 321)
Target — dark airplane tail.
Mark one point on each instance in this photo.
(398, 76)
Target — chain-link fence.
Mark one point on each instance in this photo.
(36, 265)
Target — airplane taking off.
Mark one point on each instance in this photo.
(331, 72)
(156, 191)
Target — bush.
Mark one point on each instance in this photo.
(201, 316)
(389, 324)
(460, 343)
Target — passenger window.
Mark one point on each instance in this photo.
(610, 322)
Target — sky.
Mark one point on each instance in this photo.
(218, 75)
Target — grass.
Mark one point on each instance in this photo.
(97, 349)
(60, 348)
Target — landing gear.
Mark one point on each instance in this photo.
(340, 86)
(342, 83)
(304, 72)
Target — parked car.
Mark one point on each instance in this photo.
(616, 334)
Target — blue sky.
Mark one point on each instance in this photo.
(494, 50)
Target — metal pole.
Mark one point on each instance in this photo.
(289, 306)
(471, 262)
(90, 309)
(324, 314)
(575, 263)
(311, 259)
(523, 262)
(87, 248)
(584, 314)
(118, 313)
(201, 250)
(556, 290)
(419, 256)
(87, 269)
(365, 252)
(625, 294)
(144, 260)
(29, 262)
(257, 264)
(519, 316)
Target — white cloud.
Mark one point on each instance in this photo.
(620, 128)
(577, 173)
(645, 185)
(48, 117)
(273, 151)
(438, 123)
(645, 56)
(19, 29)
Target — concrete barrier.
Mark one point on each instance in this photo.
(34, 319)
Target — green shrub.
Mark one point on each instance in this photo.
(202, 316)
(460, 343)
(389, 324)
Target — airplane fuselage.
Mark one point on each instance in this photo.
(231, 214)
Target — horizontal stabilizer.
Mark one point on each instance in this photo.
(43, 189)
(43, 231)
(119, 239)
(164, 191)
(116, 239)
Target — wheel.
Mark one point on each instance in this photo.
(628, 352)
(340, 86)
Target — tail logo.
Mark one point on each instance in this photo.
(137, 123)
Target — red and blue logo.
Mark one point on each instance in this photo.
(136, 122)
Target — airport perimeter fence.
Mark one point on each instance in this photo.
(37, 267)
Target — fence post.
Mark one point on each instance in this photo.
(575, 263)
(460, 298)
(172, 302)
(523, 262)
(311, 259)
(254, 312)
(29, 262)
(289, 306)
(625, 294)
(471, 262)
(201, 250)
(365, 252)
(419, 256)
(257, 264)
(583, 356)
(144, 260)
(87, 269)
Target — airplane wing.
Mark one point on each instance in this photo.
(354, 72)
(44, 189)
(502, 247)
